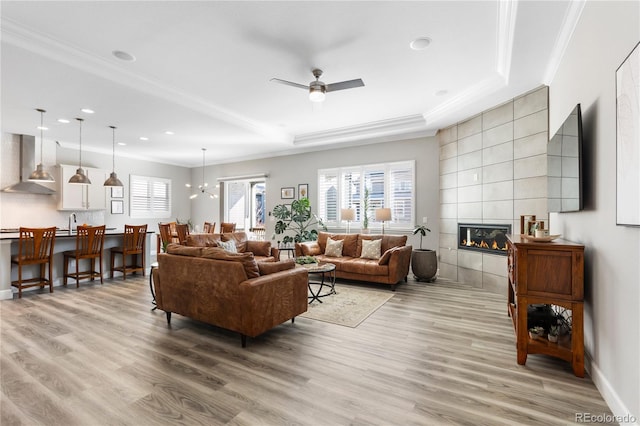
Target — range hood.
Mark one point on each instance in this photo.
(27, 165)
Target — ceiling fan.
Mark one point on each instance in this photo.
(317, 89)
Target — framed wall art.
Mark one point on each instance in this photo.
(287, 193)
(628, 140)
(303, 190)
(117, 192)
(117, 207)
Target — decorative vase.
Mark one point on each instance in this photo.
(552, 338)
(364, 231)
(424, 264)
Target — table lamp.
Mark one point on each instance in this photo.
(348, 215)
(382, 215)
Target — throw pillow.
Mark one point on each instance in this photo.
(371, 249)
(334, 248)
(384, 259)
(259, 248)
(229, 246)
(310, 249)
(267, 268)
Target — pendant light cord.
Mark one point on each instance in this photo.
(203, 151)
(113, 146)
(41, 133)
(80, 120)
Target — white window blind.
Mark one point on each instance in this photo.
(149, 197)
(389, 184)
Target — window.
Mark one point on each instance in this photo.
(244, 203)
(390, 185)
(149, 197)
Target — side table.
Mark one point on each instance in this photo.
(291, 252)
(154, 265)
(322, 269)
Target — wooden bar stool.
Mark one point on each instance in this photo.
(165, 237)
(89, 245)
(227, 227)
(209, 228)
(133, 245)
(35, 247)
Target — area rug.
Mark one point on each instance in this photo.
(349, 307)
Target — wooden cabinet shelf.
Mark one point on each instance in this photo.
(546, 273)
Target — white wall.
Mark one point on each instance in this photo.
(604, 36)
(290, 170)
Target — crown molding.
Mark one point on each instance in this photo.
(414, 125)
(571, 18)
(507, 13)
(73, 56)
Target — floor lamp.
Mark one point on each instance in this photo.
(348, 215)
(382, 215)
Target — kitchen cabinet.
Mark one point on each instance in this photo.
(550, 273)
(82, 197)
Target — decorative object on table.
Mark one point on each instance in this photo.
(287, 193)
(536, 332)
(297, 218)
(204, 186)
(424, 262)
(526, 222)
(306, 260)
(554, 331)
(117, 192)
(39, 174)
(349, 307)
(117, 207)
(383, 215)
(365, 212)
(628, 140)
(113, 180)
(303, 191)
(546, 239)
(80, 177)
(348, 215)
(188, 222)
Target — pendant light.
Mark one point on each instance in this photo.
(39, 174)
(202, 188)
(80, 178)
(113, 177)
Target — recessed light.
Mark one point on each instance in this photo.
(122, 144)
(42, 128)
(87, 110)
(169, 132)
(420, 43)
(63, 120)
(123, 56)
(144, 138)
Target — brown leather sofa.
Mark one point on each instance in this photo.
(229, 290)
(391, 268)
(262, 250)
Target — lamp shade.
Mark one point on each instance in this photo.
(383, 214)
(348, 214)
(40, 174)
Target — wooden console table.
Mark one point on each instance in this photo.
(546, 273)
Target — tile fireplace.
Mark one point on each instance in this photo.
(487, 238)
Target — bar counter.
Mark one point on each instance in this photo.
(65, 240)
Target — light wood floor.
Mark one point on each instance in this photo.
(437, 353)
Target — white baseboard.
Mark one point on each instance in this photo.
(618, 408)
(6, 294)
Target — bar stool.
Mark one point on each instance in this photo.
(89, 245)
(133, 245)
(227, 227)
(209, 228)
(165, 236)
(35, 247)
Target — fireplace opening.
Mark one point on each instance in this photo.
(488, 238)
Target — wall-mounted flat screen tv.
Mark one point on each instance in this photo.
(564, 166)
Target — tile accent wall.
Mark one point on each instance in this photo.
(493, 168)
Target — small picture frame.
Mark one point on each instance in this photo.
(117, 207)
(303, 191)
(287, 193)
(117, 192)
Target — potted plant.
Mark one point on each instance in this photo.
(365, 212)
(424, 262)
(298, 219)
(554, 331)
(535, 332)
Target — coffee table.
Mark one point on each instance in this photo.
(322, 269)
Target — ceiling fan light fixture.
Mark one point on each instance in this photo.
(316, 93)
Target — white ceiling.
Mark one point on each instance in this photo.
(202, 70)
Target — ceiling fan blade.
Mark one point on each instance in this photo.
(350, 84)
(290, 83)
